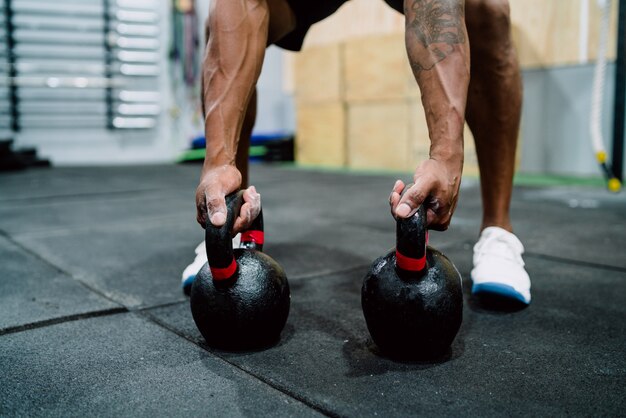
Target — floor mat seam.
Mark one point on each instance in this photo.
(59, 269)
(62, 319)
(278, 388)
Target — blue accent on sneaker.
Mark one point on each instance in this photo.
(187, 284)
(499, 289)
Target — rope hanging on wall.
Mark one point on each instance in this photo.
(595, 125)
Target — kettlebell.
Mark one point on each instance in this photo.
(412, 298)
(240, 298)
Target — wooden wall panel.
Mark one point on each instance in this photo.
(321, 135)
(595, 14)
(318, 74)
(419, 144)
(378, 135)
(355, 19)
(377, 68)
(545, 32)
(358, 103)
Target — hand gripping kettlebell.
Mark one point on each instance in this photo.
(412, 298)
(240, 298)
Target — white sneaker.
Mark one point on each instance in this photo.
(190, 272)
(499, 267)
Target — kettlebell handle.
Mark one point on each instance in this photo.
(411, 241)
(218, 241)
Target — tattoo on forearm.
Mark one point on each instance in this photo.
(437, 25)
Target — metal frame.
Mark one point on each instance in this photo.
(11, 61)
(125, 55)
(108, 64)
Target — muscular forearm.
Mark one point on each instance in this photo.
(436, 42)
(231, 67)
(438, 51)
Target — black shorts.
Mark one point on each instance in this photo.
(309, 12)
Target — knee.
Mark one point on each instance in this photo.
(489, 26)
(489, 8)
(490, 16)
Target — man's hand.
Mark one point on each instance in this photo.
(214, 185)
(436, 184)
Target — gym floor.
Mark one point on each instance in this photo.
(93, 321)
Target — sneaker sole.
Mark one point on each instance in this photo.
(499, 290)
(187, 284)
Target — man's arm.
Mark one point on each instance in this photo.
(438, 50)
(231, 67)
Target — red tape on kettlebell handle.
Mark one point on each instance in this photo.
(224, 273)
(410, 264)
(258, 237)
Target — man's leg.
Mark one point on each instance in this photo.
(494, 105)
(493, 114)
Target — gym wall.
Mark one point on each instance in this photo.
(92, 82)
(358, 106)
(75, 113)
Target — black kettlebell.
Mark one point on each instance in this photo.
(240, 298)
(412, 298)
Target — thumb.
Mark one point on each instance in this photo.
(411, 200)
(216, 208)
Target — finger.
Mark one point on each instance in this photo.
(437, 217)
(436, 223)
(413, 198)
(396, 190)
(201, 215)
(244, 220)
(249, 210)
(394, 197)
(216, 208)
(252, 197)
(394, 200)
(398, 186)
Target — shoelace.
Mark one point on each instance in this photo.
(500, 245)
